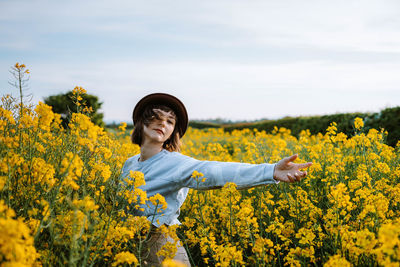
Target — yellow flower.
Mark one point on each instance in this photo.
(337, 260)
(16, 243)
(125, 258)
(158, 201)
(138, 178)
(3, 180)
(122, 127)
(358, 123)
(306, 236)
(197, 174)
(87, 204)
(78, 90)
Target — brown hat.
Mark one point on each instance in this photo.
(167, 100)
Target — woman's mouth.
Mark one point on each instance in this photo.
(159, 131)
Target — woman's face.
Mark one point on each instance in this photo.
(159, 130)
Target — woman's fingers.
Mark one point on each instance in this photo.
(304, 165)
(291, 178)
(293, 157)
(290, 159)
(297, 176)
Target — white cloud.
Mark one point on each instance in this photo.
(231, 59)
(354, 25)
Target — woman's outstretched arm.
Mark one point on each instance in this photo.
(244, 175)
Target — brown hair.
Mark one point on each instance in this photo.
(172, 144)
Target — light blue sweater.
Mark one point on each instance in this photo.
(169, 174)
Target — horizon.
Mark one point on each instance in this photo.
(228, 121)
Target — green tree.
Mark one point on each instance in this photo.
(66, 104)
(389, 119)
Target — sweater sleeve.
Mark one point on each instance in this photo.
(217, 174)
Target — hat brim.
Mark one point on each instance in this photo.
(167, 100)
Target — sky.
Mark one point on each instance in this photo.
(228, 59)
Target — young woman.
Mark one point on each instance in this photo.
(160, 120)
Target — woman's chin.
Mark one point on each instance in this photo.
(158, 140)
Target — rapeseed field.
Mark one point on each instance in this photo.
(62, 201)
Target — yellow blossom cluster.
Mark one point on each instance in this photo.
(64, 202)
(62, 199)
(21, 67)
(16, 243)
(340, 213)
(125, 258)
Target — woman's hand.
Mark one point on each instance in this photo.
(289, 172)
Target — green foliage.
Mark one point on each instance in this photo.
(203, 125)
(65, 105)
(388, 119)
